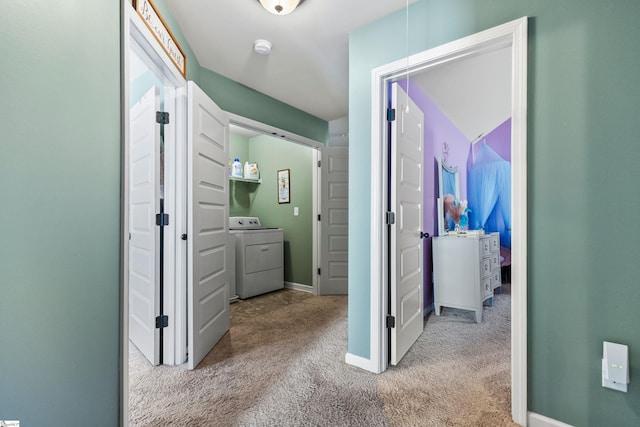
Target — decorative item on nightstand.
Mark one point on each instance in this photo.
(456, 211)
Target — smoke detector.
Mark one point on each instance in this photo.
(262, 47)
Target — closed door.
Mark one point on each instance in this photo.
(334, 224)
(406, 288)
(144, 241)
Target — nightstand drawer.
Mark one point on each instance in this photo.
(485, 267)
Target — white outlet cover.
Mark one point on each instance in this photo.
(615, 366)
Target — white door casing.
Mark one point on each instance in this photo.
(144, 242)
(208, 209)
(407, 159)
(334, 222)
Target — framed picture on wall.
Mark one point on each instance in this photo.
(284, 193)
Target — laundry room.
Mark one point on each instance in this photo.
(260, 195)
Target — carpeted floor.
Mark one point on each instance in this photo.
(282, 364)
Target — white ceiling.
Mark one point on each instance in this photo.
(308, 64)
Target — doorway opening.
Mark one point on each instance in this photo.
(272, 151)
(326, 178)
(512, 35)
(148, 75)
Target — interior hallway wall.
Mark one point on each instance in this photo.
(60, 212)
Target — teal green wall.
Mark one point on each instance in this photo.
(273, 154)
(583, 198)
(236, 98)
(60, 212)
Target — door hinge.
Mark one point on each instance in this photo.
(391, 321)
(319, 163)
(391, 218)
(162, 117)
(162, 219)
(162, 321)
(391, 114)
(319, 217)
(318, 272)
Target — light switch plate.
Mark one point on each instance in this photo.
(296, 211)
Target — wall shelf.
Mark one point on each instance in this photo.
(253, 181)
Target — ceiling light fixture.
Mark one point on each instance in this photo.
(280, 7)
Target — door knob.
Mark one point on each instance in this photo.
(423, 235)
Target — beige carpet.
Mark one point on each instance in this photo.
(282, 364)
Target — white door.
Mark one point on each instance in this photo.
(334, 221)
(208, 209)
(407, 158)
(144, 241)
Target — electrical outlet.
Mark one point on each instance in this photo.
(615, 366)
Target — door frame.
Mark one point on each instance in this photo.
(511, 34)
(137, 36)
(316, 146)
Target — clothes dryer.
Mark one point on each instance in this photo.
(259, 256)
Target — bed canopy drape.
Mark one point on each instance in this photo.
(489, 194)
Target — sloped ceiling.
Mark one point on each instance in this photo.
(475, 92)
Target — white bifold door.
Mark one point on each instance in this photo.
(208, 278)
(144, 237)
(334, 221)
(407, 160)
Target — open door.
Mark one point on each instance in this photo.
(208, 209)
(334, 224)
(406, 287)
(144, 238)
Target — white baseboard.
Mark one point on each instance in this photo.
(298, 287)
(537, 420)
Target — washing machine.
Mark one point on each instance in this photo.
(259, 256)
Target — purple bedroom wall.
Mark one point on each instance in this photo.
(499, 140)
